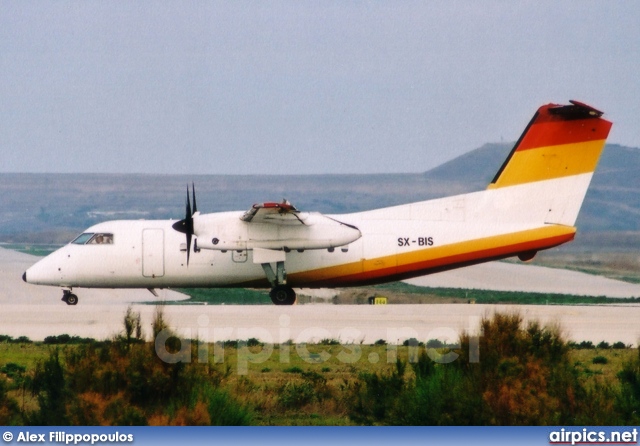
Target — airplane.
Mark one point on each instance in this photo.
(531, 204)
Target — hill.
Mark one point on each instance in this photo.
(51, 208)
(476, 169)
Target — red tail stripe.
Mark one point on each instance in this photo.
(553, 133)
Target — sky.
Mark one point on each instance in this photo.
(290, 87)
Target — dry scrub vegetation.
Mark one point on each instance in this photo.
(512, 374)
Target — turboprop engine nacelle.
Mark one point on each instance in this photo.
(312, 231)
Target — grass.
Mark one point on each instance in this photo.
(34, 249)
(222, 296)
(22, 354)
(498, 297)
(583, 361)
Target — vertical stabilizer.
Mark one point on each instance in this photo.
(560, 141)
(550, 167)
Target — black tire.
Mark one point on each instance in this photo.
(71, 299)
(283, 295)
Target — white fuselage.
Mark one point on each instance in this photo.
(396, 242)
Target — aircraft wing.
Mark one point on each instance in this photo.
(275, 226)
(275, 213)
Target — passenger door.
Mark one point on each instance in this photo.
(153, 252)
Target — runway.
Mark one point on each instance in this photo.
(36, 312)
(313, 323)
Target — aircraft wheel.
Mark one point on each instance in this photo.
(283, 295)
(70, 299)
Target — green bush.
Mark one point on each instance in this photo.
(13, 370)
(253, 342)
(294, 395)
(65, 339)
(627, 401)
(376, 397)
(585, 345)
(224, 410)
(412, 342)
(125, 383)
(523, 378)
(49, 385)
(434, 343)
(9, 410)
(10, 340)
(450, 395)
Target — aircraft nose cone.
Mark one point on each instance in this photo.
(24, 276)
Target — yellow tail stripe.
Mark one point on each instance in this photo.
(545, 163)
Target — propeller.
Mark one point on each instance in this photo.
(186, 225)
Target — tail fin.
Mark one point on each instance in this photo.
(560, 141)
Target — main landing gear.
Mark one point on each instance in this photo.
(69, 297)
(281, 293)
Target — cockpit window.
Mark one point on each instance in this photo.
(90, 238)
(83, 238)
(101, 239)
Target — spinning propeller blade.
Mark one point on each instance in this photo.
(186, 225)
(193, 189)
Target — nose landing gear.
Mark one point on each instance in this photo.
(69, 297)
